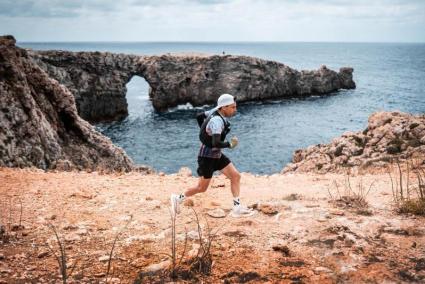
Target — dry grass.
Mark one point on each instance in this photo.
(408, 186)
(351, 197)
(11, 212)
(61, 258)
(202, 262)
(111, 252)
(182, 266)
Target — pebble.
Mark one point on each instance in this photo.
(82, 232)
(104, 258)
(101, 274)
(322, 269)
(189, 203)
(268, 209)
(338, 212)
(43, 254)
(158, 266)
(70, 227)
(193, 235)
(217, 213)
(72, 238)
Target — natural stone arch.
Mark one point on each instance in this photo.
(98, 80)
(137, 90)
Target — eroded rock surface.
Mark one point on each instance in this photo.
(389, 135)
(39, 123)
(98, 80)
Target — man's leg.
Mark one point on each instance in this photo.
(235, 179)
(235, 182)
(202, 186)
(176, 199)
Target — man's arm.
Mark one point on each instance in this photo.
(217, 143)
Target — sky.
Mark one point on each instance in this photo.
(214, 20)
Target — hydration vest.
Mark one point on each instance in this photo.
(207, 139)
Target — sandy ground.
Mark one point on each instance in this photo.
(300, 234)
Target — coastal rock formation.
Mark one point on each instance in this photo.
(389, 135)
(98, 80)
(199, 80)
(39, 123)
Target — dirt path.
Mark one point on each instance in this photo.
(297, 235)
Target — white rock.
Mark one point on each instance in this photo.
(104, 258)
(193, 235)
(194, 251)
(322, 269)
(82, 232)
(115, 280)
(217, 213)
(158, 266)
(72, 238)
(185, 172)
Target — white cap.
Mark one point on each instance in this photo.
(225, 100)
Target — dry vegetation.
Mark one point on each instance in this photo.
(408, 186)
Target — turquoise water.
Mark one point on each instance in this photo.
(389, 76)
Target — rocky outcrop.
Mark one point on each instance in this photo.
(389, 135)
(200, 80)
(98, 80)
(39, 123)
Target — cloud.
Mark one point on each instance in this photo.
(302, 8)
(53, 8)
(74, 8)
(214, 20)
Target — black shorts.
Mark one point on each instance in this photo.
(207, 166)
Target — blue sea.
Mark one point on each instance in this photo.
(389, 76)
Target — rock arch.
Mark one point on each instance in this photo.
(98, 80)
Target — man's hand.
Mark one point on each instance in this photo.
(233, 142)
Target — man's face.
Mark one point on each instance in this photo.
(229, 110)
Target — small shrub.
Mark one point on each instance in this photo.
(408, 186)
(201, 263)
(61, 258)
(351, 198)
(416, 207)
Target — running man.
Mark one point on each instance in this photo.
(214, 128)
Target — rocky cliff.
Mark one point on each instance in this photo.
(389, 135)
(39, 123)
(98, 80)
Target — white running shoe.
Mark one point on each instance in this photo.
(175, 204)
(242, 211)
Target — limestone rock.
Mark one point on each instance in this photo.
(39, 123)
(217, 213)
(153, 268)
(389, 135)
(104, 258)
(185, 172)
(268, 209)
